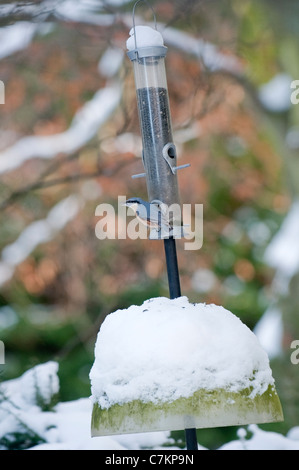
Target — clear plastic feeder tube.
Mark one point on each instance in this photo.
(159, 152)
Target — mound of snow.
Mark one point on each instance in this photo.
(166, 349)
(145, 37)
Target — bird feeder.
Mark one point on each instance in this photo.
(147, 53)
(204, 406)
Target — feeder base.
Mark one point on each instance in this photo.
(204, 409)
(176, 232)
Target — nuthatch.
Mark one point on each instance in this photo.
(153, 215)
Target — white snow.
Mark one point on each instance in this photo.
(110, 62)
(275, 95)
(145, 37)
(203, 280)
(88, 11)
(39, 231)
(262, 440)
(282, 254)
(67, 425)
(16, 37)
(269, 331)
(84, 127)
(208, 53)
(166, 349)
(23, 398)
(83, 12)
(42, 230)
(6, 272)
(8, 317)
(283, 251)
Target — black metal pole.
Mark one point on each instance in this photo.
(172, 268)
(174, 292)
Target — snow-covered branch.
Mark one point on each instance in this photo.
(39, 231)
(283, 252)
(18, 36)
(212, 58)
(84, 127)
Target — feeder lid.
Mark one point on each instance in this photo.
(170, 364)
(145, 41)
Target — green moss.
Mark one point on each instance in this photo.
(203, 409)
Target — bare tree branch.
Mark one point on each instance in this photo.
(42, 183)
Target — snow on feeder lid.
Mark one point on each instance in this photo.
(170, 364)
(145, 41)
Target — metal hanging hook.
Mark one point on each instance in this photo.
(134, 26)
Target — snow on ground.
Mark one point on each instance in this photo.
(25, 404)
(264, 440)
(182, 347)
(67, 425)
